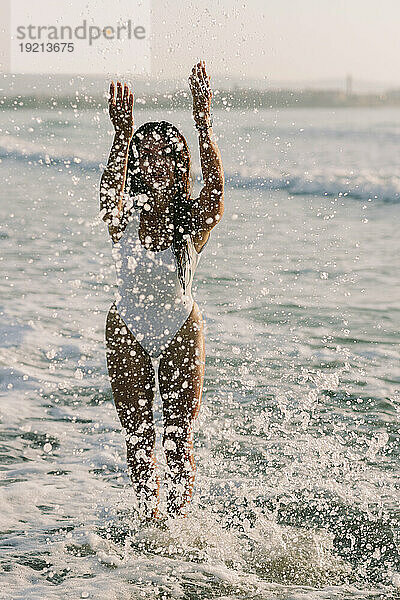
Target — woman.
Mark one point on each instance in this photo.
(158, 233)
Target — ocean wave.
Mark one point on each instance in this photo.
(28, 152)
(363, 184)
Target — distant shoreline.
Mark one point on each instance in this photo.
(243, 98)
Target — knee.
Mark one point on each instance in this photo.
(138, 432)
(140, 443)
(140, 455)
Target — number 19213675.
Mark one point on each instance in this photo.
(46, 47)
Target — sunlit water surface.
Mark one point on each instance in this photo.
(297, 441)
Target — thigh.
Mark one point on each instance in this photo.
(181, 372)
(131, 372)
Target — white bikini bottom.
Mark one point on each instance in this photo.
(154, 335)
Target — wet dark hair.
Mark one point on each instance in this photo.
(182, 202)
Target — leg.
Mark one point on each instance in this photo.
(180, 376)
(133, 385)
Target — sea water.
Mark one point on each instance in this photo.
(297, 440)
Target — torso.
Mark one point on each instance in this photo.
(150, 298)
(157, 234)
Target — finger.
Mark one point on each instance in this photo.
(130, 103)
(201, 83)
(198, 77)
(203, 67)
(203, 78)
(195, 85)
(206, 86)
(119, 94)
(193, 80)
(191, 85)
(126, 95)
(198, 73)
(111, 91)
(198, 70)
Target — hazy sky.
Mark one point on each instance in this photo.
(279, 39)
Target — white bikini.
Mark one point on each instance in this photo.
(150, 298)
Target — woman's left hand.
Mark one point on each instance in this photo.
(199, 83)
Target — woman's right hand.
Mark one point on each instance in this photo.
(121, 110)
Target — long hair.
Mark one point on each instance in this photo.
(182, 202)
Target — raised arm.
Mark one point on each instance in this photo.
(211, 200)
(113, 179)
